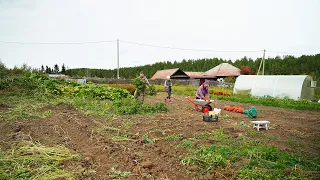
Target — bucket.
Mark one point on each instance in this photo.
(210, 118)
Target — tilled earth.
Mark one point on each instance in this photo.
(118, 141)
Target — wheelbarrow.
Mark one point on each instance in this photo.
(204, 104)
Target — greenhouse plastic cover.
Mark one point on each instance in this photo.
(275, 86)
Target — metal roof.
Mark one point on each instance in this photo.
(162, 74)
(198, 75)
(223, 69)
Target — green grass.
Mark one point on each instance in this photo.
(174, 137)
(24, 106)
(262, 161)
(293, 144)
(28, 160)
(218, 135)
(187, 90)
(186, 144)
(274, 102)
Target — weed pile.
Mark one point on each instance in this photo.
(28, 160)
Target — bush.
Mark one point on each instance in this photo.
(151, 90)
(134, 106)
(128, 87)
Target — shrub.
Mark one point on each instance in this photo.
(128, 87)
(134, 106)
(152, 90)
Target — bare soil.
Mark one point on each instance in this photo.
(102, 150)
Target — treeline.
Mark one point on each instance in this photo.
(54, 70)
(287, 65)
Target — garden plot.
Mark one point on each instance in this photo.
(169, 145)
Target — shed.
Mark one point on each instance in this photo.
(281, 86)
(223, 70)
(173, 73)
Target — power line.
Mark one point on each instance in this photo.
(56, 43)
(283, 52)
(184, 49)
(139, 44)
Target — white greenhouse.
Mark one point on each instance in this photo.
(281, 86)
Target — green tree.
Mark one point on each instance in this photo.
(63, 69)
(56, 69)
(3, 70)
(42, 68)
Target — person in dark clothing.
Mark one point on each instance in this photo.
(167, 88)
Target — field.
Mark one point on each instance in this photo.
(67, 136)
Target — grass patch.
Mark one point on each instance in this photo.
(174, 137)
(201, 136)
(116, 174)
(186, 144)
(271, 136)
(274, 102)
(28, 160)
(252, 133)
(264, 161)
(293, 144)
(218, 135)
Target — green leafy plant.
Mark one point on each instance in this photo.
(151, 90)
(186, 144)
(140, 85)
(147, 139)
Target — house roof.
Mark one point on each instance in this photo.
(223, 69)
(173, 73)
(198, 75)
(195, 74)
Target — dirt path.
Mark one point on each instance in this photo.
(104, 147)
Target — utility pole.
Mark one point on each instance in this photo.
(118, 58)
(262, 62)
(264, 53)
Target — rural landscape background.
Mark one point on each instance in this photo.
(55, 129)
(65, 114)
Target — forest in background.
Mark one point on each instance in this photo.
(287, 65)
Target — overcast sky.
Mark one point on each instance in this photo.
(223, 25)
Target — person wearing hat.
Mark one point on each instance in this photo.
(167, 88)
(140, 92)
